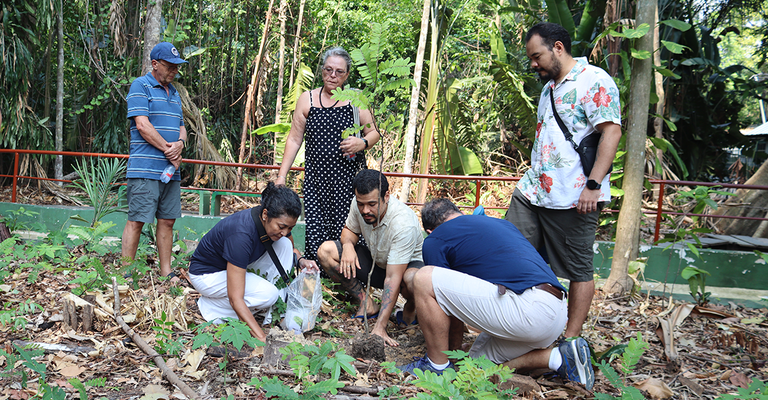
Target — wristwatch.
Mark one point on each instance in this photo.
(366, 143)
(593, 185)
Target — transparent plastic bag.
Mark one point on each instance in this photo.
(305, 296)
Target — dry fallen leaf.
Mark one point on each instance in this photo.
(72, 371)
(655, 388)
(154, 392)
(740, 380)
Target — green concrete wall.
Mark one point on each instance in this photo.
(740, 269)
(51, 218)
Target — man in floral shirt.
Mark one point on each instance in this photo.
(555, 205)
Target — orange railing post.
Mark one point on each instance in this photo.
(660, 203)
(15, 176)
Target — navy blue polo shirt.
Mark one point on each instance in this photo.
(488, 248)
(149, 98)
(234, 239)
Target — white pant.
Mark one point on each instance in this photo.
(260, 293)
(512, 324)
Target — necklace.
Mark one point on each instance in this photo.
(320, 96)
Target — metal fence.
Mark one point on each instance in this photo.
(477, 180)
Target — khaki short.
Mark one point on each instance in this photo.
(565, 236)
(149, 199)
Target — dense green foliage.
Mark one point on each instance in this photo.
(486, 94)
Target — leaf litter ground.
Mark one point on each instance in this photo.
(708, 351)
(718, 348)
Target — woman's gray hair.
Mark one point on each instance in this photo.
(338, 52)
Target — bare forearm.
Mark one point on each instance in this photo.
(606, 152)
(244, 313)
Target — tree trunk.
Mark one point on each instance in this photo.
(658, 122)
(628, 231)
(413, 109)
(281, 62)
(612, 13)
(58, 169)
(296, 43)
(252, 88)
(746, 203)
(151, 32)
(430, 110)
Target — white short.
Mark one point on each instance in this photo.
(260, 293)
(512, 324)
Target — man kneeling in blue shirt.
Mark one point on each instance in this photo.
(482, 271)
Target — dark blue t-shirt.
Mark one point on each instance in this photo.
(488, 248)
(234, 239)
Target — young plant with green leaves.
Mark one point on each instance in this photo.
(697, 282)
(27, 357)
(309, 362)
(757, 390)
(627, 361)
(14, 219)
(475, 378)
(100, 181)
(232, 332)
(15, 316)
(164, 341)
(92, 237)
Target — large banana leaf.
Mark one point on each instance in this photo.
(560, 14)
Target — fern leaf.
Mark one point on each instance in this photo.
(611, 374)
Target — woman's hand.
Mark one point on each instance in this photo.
(308, 265)
(352, 145)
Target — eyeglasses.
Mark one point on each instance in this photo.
(169, 66)
(330, 71)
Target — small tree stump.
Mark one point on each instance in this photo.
(70, 314)
(4, 232)
(87, 316)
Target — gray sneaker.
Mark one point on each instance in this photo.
(422, 364)
(576, 365)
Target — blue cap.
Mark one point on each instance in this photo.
(166, 51)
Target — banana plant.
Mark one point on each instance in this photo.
(303, 80)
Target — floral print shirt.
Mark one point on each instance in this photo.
(586, 98)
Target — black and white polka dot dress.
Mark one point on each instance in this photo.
(327, 176)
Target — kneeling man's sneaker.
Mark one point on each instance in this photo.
(422, 364)
(576, 365)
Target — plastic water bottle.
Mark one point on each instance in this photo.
(167, 174)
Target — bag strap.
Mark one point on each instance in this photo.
(356, 114)
(566, 132)
(267, 242)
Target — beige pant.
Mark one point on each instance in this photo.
(512, 324)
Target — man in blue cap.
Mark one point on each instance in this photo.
(158, 137)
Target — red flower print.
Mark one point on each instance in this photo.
(602, 98)
(546, 182)
(538, 128)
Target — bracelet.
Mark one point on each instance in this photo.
(280, 176)
(183, 142)
(366, 143)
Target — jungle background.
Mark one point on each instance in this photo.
(67, 66)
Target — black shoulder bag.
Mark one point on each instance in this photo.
(267, 242)
(587, 149)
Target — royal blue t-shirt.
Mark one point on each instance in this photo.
(488, 248)
(234, 239)
(148, 98)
